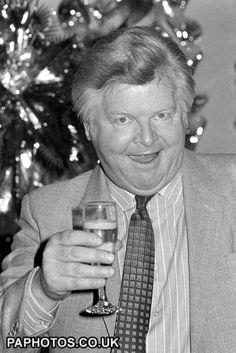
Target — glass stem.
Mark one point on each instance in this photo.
(102, 294)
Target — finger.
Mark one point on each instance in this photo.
(75, 283)
(79, 270)
(76, 237)
(82, 254)
(60, 280)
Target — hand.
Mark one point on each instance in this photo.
(68, 260)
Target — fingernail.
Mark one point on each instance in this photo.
(100, 282)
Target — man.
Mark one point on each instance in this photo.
(133, 91)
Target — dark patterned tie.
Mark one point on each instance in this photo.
(135, 300)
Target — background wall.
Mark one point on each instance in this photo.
(215, 75)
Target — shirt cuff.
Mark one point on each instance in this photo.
(36, 318)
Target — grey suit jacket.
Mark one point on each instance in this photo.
(210, 204)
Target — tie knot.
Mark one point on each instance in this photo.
(141, 201)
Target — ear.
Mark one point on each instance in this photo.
(185, 120)
(87, 130)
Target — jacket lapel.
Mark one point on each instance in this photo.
(204, 219)
(96, 189)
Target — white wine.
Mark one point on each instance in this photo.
(107, 230)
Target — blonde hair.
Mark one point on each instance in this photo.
(134, 56)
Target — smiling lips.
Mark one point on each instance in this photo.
(144, 158)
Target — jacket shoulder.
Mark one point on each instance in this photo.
(222, 168)
(223, 162)
(216, 157)
(65, 192)
(64, 185)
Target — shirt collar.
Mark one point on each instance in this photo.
(126, 200)
(123, 198)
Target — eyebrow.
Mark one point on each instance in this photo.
(119, 113)
(172, 107)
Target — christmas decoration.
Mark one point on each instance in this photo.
(41, 139)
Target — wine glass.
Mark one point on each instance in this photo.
(99, 217)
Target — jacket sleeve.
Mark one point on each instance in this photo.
(17, 268)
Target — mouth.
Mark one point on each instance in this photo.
(144, 158)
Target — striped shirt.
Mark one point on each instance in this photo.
(36, 317)
(169, 328)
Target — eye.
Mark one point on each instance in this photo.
(122, 120)
(163, 116)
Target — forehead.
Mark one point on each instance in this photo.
(155, 95)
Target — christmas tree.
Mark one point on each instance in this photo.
(41, 139)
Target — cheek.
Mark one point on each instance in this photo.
(113, 142)
(174, 137)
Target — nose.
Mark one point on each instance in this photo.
(146, 134)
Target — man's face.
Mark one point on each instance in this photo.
(138, 133)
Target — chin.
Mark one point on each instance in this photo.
(143, 190)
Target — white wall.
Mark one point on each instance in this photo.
(215, 75)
